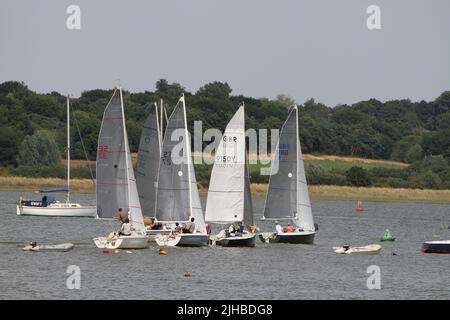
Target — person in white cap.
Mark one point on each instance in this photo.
(278, 227)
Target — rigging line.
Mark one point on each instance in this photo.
(83, 146)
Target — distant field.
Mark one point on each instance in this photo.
(258, 190)
(326, 162)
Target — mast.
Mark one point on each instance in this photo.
(296, 161)
(125, 138)
(188, 154)
(162, 121)
(68, 149)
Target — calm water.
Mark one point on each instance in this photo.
(267, 271)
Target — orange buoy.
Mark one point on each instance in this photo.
(162, 251)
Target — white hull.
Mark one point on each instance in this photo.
(57, 247)
(58, 210)
(369, 249)
(122, 242)
(152, 234)
(182, 240)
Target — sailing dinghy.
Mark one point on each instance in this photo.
(229, 199)
(48, 206)
(116, 185)
(177, 198)
(288, 197)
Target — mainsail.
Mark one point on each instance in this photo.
(229, 198)
(177, 197)
(148, 161)
(288, 196)
(116, 185)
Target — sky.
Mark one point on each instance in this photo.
(304, 49)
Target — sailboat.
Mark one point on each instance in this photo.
(229, 199)
(288, 197)
(116, 185)
(48, 206)
(177, 198)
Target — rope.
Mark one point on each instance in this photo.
(82, 144)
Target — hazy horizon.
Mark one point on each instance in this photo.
(303, 49)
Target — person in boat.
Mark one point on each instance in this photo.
(178, 228)
(231, 232)
(190, 226)
(33, 244)
(156, 226)
(125, 229)
(290, 228)
(278, 228)
(44, 201)
(121, 215)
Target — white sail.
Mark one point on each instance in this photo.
(226, 194)
(304, 213)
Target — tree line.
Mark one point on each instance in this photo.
(33, 128)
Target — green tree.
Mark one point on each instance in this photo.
(40, 149)
(358, 177)
(216, 90)
(414, 154)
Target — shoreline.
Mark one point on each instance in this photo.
(317, 192)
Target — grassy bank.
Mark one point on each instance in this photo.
(258, 190)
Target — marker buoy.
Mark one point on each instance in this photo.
(360, 209)
(162, 251)
(105, 251)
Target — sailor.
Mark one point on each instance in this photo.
(290, 228)
(231, 231)
(125, 229)
(178, 228)
(122, 215)
(190, 226)
(278, 227)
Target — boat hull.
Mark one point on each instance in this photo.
(57, 248)
(246, 240)
(182, 240)
(442, 247)
(152, 234)
(293, 238)
(83, 211)
(122, 242)
(369, 249)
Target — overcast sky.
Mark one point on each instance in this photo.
(305, 49)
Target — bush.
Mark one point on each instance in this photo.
(358, 177)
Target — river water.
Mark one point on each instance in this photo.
(268, 271)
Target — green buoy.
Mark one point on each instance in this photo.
(387, 236)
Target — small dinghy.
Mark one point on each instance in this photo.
(229, 198)
(288, 197)
(63, 247)
(387, 236)
(442, 246)
(369, 249)
(116, 183)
